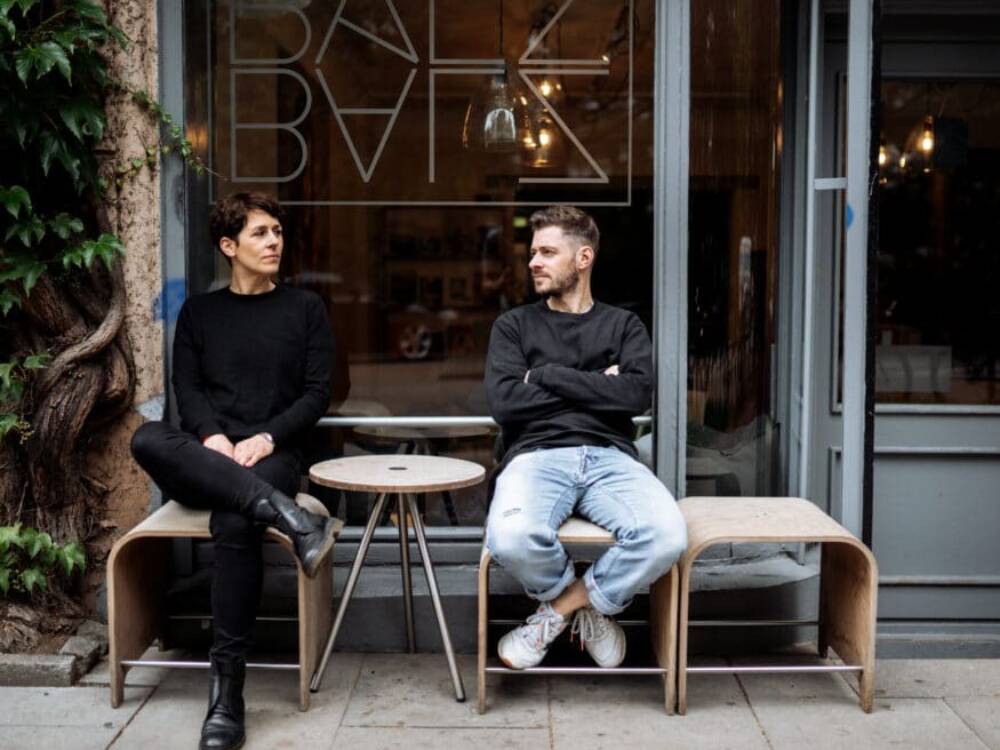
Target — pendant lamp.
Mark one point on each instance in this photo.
(497, 118)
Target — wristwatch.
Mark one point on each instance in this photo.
(267, 436)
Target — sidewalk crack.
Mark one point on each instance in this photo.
(756, 718)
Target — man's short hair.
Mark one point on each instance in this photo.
(571, 220)
(229, 214)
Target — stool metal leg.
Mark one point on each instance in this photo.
(404, 567)
(425, 555)
(352, 580)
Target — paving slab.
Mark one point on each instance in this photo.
(937, 678)
(411, 738)
(982, 715)
(83, 708)
(57, 738)
(627, 711)
(136, 676)
(821, 712)
(396, 690)
(272, 700)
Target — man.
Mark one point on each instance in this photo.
(564, 377)
(251, 376)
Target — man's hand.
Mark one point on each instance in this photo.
(253, 449)
(220, 444)
(613, 370)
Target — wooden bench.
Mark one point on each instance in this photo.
(848, 579)
(138, 574)
(662, 620)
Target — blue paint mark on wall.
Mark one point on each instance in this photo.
(850, 216)
(167, 305)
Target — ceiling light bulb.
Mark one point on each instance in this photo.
(883, 156)
(902, 162)
(544, 137)
(546, 89)
(927, 137)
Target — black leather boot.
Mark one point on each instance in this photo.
(311, 534)
(223, 727)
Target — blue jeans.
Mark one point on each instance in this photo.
(538, 491)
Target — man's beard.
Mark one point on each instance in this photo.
(563, 283)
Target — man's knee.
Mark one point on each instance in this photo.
(514, 540)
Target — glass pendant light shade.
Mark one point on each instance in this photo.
(497, 118)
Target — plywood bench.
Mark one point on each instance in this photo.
(848, 578)
(138, 573)
(662, 620)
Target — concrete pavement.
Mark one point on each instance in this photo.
(404, 701)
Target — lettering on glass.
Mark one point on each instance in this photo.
(301, 72)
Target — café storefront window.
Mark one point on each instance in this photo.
(411, 142)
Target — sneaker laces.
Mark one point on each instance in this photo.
(542, 627)
(588, 625)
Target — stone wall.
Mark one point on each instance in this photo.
(136, 220)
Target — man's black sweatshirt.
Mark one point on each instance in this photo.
(567, 399)
(250, 363)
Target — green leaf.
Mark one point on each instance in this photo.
(32, 276)
(62, 61)
(8, 422)
(49, 145)
(41, 59)
(22, 64)
(108, 246)
(73, 557)
(36, 361)
(5, 6)
(88, 10)
(83, 118)
(32, 577)
(11, 534)
(65, 225)
(28, 535)
(4, 580)
(26, 5)
(7, 373)
(8, 301)
(9, 27)
(14, 199)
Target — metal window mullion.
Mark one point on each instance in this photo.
(809, 272)
(859, 71)
(670, 225)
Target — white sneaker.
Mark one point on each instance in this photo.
(603, 638)
(526, 646)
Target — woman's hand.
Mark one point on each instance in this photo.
(253, 449)
(220, 444)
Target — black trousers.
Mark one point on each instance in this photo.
(201, 478)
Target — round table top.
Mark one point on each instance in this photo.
(393, 432)
(397, 473)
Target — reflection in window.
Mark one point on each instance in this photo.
(735, 153)
(938, 266)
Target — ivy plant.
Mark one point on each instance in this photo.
(54, 85)
(29, 560)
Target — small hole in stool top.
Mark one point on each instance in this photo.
(397, 468)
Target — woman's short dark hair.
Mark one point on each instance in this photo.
(571, 220)
(229, 214)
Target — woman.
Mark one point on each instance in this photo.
(251, 373)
